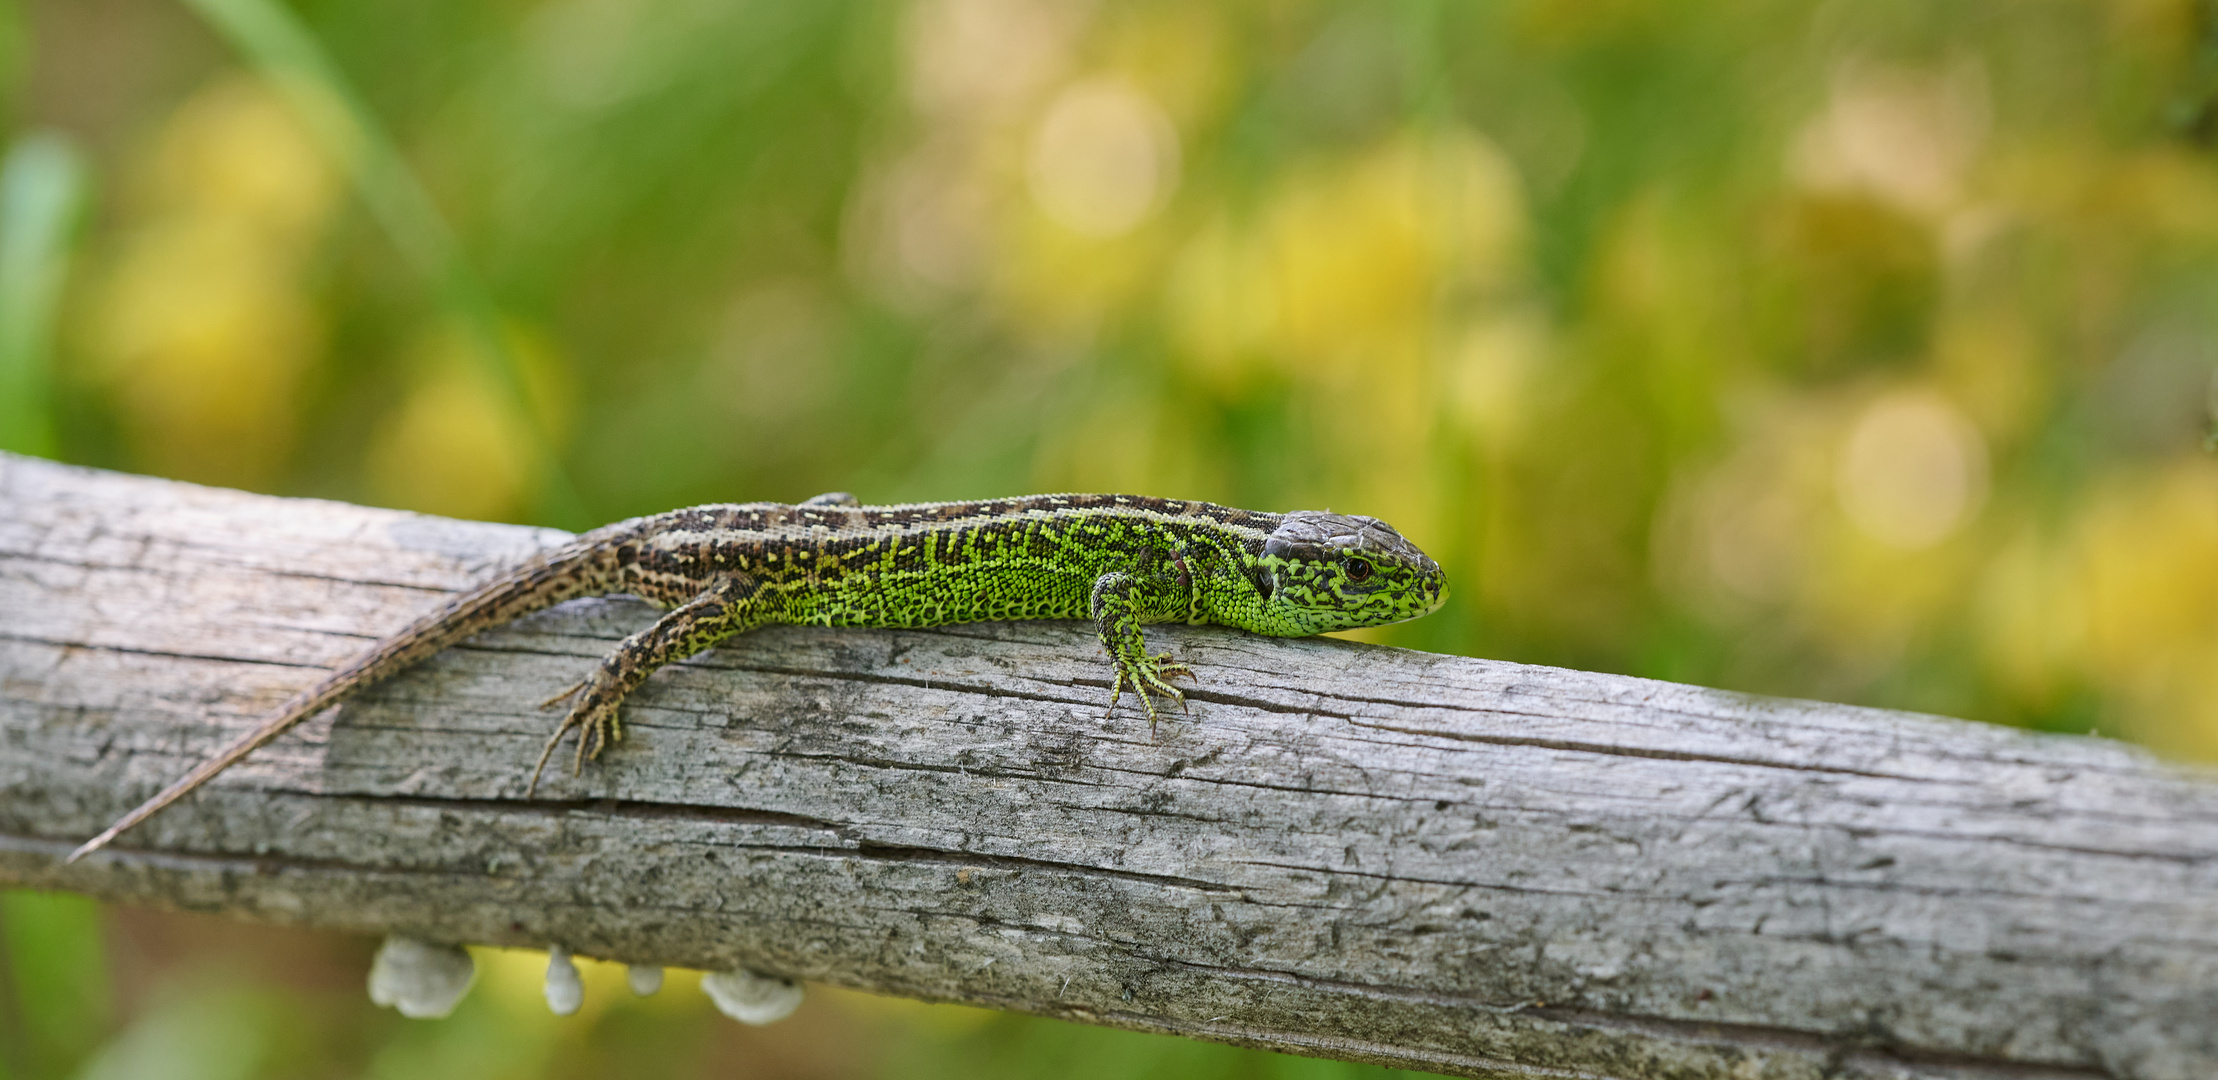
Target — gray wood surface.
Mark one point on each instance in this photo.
(1372, 854)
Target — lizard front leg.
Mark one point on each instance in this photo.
(1121, 603)
(721, 610)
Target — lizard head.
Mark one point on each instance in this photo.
(1322, 571)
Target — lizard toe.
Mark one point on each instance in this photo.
(565, 695)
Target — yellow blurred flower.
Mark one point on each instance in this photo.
(2124, 599)
(1347, 254)
(1364, 249)
(458, 444)
(2148, 552)
(203, 327)
(2146, 575)
(236, 150)
(1370, 285)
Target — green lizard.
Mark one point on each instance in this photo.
(1120, 560)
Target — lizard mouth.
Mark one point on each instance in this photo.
(1434, 590)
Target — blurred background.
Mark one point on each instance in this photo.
(1858, 350)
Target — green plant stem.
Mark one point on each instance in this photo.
(41, 187)
(286, 54)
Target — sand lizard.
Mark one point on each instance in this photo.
(1120, 560)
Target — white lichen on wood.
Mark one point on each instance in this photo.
(1371, 854)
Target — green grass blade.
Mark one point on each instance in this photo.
(276, 43)
(41, 187)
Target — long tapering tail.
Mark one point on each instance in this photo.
(583, 567)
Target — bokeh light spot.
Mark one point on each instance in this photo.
(1912, 471)
(1103, 159)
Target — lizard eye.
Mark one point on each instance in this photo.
(1358, 570)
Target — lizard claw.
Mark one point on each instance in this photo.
(1147, 679)
(598, 728)
(1167, 668)
(596, 724)
(545, 753)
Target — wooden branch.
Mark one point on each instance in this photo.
(1355, 852)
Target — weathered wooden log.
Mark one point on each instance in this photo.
(1356, 852)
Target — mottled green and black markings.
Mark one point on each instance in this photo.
(1122, 561)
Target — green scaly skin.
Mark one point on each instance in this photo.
(1122, 561)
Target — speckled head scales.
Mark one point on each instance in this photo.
(1312, 534)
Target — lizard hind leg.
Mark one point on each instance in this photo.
(716, 613)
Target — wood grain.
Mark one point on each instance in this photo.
(1356, 852)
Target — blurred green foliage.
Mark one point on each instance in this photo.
(55, 1003)
(1860, 351)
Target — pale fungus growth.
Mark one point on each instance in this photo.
(751, 998)
(422, 980)
(565, 991)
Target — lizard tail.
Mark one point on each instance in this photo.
(583, 567)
